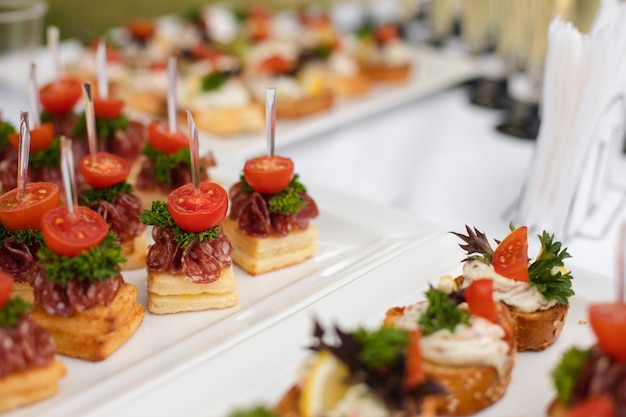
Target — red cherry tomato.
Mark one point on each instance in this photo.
(268, 175)
(198, 211)
(162, 140)
(6, 286)
(414, 366)
(60, 96)
(140, 28)
(27, 211)
(106, 170)
(203, 51)
(40, 137)
(275, 64)
(69, 234)
(479, 297)
(608, 322)
(386, 33)
(109, 108)
(596, 406)
(510, 259)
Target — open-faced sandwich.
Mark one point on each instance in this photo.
(29, 369)
(302, 85)
(80, 295)
(382, 54)
(364, 372)
(269, 221)
(467, 345)
(20, 233)
(189, 265)
(592, 381)
(165, 164)
(536, 292)
(111, 196)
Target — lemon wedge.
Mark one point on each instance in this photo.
(324, 386)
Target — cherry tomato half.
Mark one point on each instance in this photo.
(69, 234)
(414, 365)
(27, 211)
(608, 321)
(141, 28)
(510, 259)
(60, 96)
(275, 64)
(268, 175)
(40, 137)
(162, 140)
(109, 108)
(106, 170)
(596, 406)
(6, 286)
(198, 211)
(386, 33)
(479, 297)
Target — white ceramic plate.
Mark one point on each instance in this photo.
(354, 237)
(260, 369)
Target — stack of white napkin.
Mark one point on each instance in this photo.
(583, 114)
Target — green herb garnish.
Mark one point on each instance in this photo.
(442, 313)
(6, 129)
(214, 80)
(256, 411)
(288, 201)
(11, 312)
(165, 162)
(94, 265)
(160, 216)
(476, 245)
(365, 30)
(105, 127)
(565, 374)
(105, 194)
(380, 347)
(27, 236)
(49, 157)
(323, 50)
(545, 272)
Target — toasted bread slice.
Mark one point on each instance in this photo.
(135, 252)
(23, 290)
(350, 85)
(229, 121)
(169, 294)
(469, 388)
(386, 73)
(259, 255)
(30, 385)
(287, 108)
(556, 409)
(94, 334)
(536, 331)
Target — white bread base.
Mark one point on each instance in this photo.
(168, 294)
(94, 334)
(30, 385)
(260, 255)
(135, 252)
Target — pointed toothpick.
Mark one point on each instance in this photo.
(23, 152)
(172, 77)
(101, 63)
(52, 38)
(67, 173)
(91, 120)
(621, 268)
(270, 119)
(194, 151)
(33, 93)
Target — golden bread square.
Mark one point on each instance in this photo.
(259, 255)
(135, 252)
(168, 294)
(94, 334)
(24, 291)
(30, 385)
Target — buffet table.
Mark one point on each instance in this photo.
(390, 187)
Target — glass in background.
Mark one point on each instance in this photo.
(21, 25)
(479, 32)
(525, 46)
(441, 16)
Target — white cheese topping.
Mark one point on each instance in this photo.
(480, 343)
(285, 86)
(342, 64)
(267, 49)
(519, 295)
(231, 95)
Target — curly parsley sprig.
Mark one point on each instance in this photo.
(11, 312)
(105, 127)
(160, 216)
(94, 265)
(6, 128)
(49, 157)
(442, 313)
(90, 195)
(27, 236)
(288, 201)
(545, 271)
(165, 162)
(565, 374)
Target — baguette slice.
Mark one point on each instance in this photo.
(94, 334)
(470, 388)
(229, 121)
(260, 255)
(168, 294)
(386, 73)
(30, 385)
(287, 108)
(536, 331)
